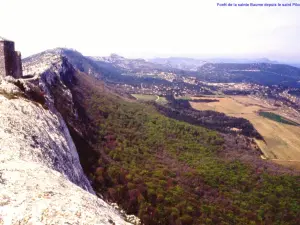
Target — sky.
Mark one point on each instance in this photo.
(149, 28)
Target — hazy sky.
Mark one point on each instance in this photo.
(145, 28)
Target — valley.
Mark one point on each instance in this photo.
(180, 148)
(281, 141)
(246, 88)
(168, 171)
(149, 113)
(278, 126)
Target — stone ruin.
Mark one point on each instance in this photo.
(10, 60)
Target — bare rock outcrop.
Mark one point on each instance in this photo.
(41, 179)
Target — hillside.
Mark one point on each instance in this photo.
(166, 171)
(39, 63)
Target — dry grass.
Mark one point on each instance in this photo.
(282, 141)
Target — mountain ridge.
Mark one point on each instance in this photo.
(163, 170)
(119, 69)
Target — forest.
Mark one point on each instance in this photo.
(167, 171)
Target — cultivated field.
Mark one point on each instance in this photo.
(158, 99)
(161, 100)
(145, 97)
(282, 140)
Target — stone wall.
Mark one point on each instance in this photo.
(18, 66)
(10, 62)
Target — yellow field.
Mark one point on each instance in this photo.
(282, 140)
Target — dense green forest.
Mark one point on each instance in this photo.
(170, 172)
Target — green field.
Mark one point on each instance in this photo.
(145, 97)
(277, 118)
(184, 97)
(161, 100)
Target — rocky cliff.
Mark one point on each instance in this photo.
(41, 178)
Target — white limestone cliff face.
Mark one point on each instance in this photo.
(41, 179)
(37, 65)
(43, 133)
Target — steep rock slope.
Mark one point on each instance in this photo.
(41, 179)
(58, 80)
(40, 62)
(32, 133)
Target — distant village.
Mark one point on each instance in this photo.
(191, 86)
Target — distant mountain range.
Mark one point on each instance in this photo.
(117, 68)
(193, 64)
(236, 60)
(258, 73)
(295, 65)
(131, 65)
(189, 64)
